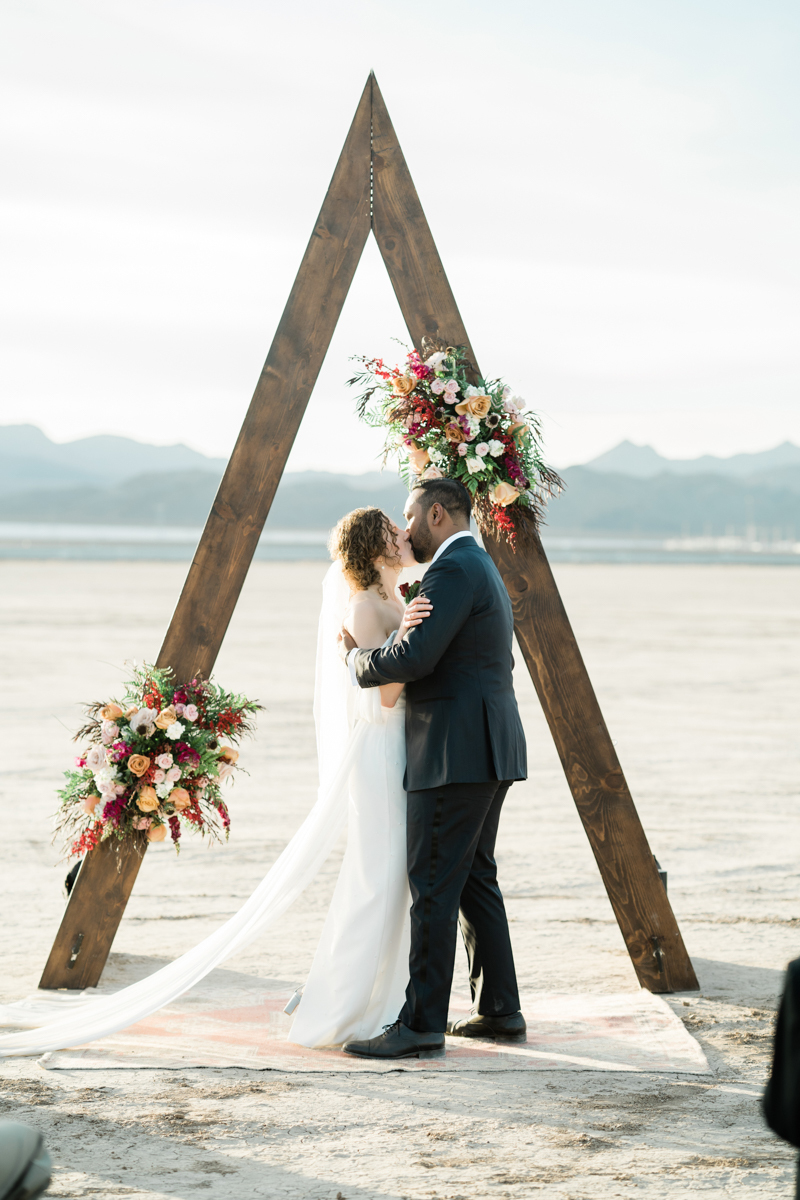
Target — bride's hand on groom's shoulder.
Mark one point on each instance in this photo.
(415, 613)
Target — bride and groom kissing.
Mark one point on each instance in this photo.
(429, 693)
(419, 740)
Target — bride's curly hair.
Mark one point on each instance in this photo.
(358, 539)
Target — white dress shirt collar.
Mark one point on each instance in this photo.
(448, 542)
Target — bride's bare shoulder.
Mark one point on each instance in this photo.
(364, 619)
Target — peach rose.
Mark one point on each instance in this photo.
(89, 803)
(179, 798)
(518, 429)
(404, 385)
(475, 406)
(431, 472)
(129, 712)
(147, 800)
(111, 712)
(503, 494)
(453, 432)
(166, 717)
(156, 833)
(138, 764)
(229, 754)
(418, 457)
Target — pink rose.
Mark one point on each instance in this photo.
(164, 761)
(190, 712)
(463, 449)
(142, 822)
(437, 387)
(173, 775)
(482, 449)
(225, 769)
(96, 758)
(108, 731)
(159, 776)
(180, 709)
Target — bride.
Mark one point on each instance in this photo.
(360, 969)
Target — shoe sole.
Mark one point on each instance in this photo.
(438, 1053)
(491, 1037)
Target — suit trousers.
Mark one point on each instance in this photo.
(453, 877)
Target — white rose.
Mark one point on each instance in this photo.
(474, 465)
(108, 731)
(482, 449)
(96, 758)
(496, 448)
(174, 730)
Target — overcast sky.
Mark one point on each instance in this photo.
(614, 187)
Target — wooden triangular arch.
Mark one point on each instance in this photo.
(372, 189)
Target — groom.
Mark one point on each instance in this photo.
(465, 746)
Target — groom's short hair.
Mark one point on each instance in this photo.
(452, 495)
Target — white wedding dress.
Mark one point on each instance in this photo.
(360, 970)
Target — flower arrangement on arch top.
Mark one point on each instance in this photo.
(445, 420)
(154, 762)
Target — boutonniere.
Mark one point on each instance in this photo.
(410, 591)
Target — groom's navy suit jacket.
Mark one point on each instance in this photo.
(462, 721)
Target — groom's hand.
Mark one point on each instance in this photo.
(346, 644)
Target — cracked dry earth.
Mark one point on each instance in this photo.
(697, 673)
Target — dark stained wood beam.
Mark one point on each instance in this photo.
(587, 754)
(237, 517)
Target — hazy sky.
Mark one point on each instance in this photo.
(614, 187)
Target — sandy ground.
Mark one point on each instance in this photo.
(698, 673)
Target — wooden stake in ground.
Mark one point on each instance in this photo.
(372, 187)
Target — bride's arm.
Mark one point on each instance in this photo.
(368, 632)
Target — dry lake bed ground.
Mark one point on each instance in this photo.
(698, 674)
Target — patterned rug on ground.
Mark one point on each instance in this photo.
(236, 1020)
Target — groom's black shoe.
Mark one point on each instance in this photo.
(398, 1041)
(496, 1029)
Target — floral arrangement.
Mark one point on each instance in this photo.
(154, 760)
(447, 421)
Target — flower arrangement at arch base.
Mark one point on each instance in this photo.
(445, 420)
(154, 762)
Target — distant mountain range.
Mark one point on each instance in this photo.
(643, 462)
(29, 460)
(629, 490)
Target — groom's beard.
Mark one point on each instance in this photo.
(422, 545)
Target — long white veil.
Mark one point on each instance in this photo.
(338, 739)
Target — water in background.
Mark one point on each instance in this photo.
(177, 543)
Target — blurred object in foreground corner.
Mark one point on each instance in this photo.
(781, 1101)
(25, 1165)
